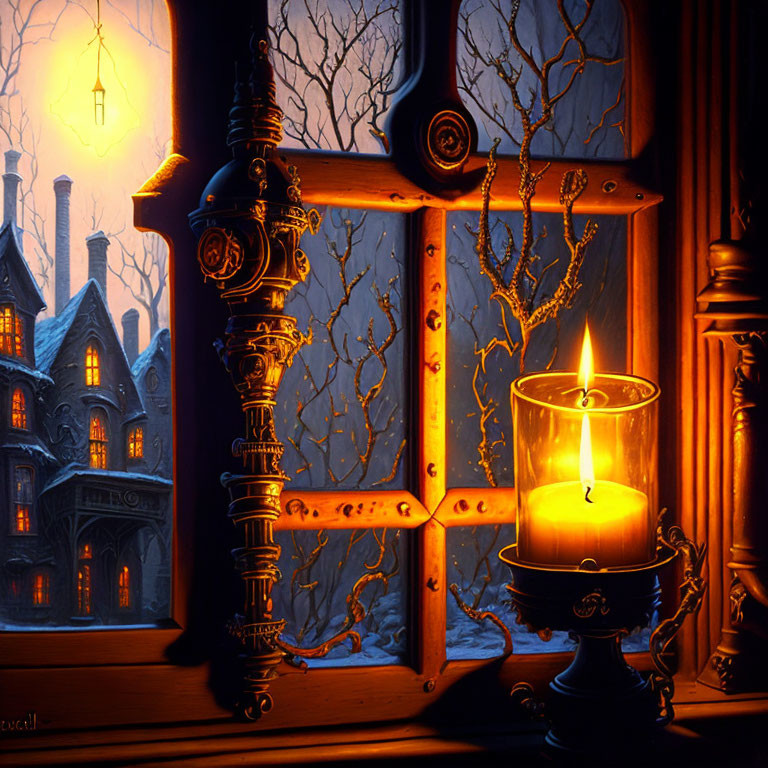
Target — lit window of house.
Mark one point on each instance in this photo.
(98, 443)
(11, 331)
(23, 499)
(92, 368)
(18, 409)
(124, 588)
(136, 443)
(41, 589)
(84, 590)
(86, 553)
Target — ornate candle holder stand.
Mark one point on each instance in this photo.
(600, 705)
(249, 224)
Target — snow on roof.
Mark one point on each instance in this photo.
(18, 367)
(34, 446)
(76, 470)
(50, 333)
(161, 342)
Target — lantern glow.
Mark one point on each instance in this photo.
(566, 514)
(80, 74)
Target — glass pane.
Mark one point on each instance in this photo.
(588, 118)
(85, 336)
(481, 578)
(342, 404)
(321, 569)
(480, 369)
(337, 64)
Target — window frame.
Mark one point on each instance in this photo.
(135, 447)
(13, 342)
(21, 412)
(17, 503)
(44, 589)
(98, 446)
(94, 660)
(92, 364)
(84, 590)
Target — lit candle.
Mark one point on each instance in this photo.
(570, 521)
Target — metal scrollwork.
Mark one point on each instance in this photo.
(448, 140)
(692, 592)
(590, 604)
(249, 232)
(220, 253)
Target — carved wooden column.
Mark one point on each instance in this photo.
(249, 224)
(736, 310)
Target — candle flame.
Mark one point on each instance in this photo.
(586, 468)
(586, 368)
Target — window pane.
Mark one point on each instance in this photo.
(337, 64)
(588, 119)
(322, 568)
(475, 568)
(341, 407)
(478, 398)
(88, 317)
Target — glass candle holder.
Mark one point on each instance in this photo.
(585, 469)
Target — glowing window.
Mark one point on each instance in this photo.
(84, 590)
(86, 553)
(136, 443)
(11, 331)
(18, 409)
(92, 369)
(124, 588)
(23, 499)
(98, 443)
(15, 588)
(41, 589)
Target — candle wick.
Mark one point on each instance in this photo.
(585, 399)
(586, 495)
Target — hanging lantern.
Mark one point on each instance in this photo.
(98, 102)
(81, 105)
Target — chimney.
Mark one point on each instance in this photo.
(11, 181)
(131, 335)
(97, 259)
(62, 186)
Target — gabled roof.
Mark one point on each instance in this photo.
(11, 256)
(160, 344)
(51, 337)
(50, 333)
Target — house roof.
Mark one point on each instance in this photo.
(77, 471)
(31, 445)
(160, 344)
(17, 366)
(11, 253)
(50, 333)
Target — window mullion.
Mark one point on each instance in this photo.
(430, 588)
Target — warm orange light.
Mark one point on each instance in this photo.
(587, 366)
(586, 467)
(80, 104)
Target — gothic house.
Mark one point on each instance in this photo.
(87, 506)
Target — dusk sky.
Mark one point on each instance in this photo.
(106, 163)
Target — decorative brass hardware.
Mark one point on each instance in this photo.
(692, 593)
(249, 224)
(590, 604)
(736, 305)
(448, 140)
(434, 321)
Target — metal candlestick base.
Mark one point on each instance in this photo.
(600, 705)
